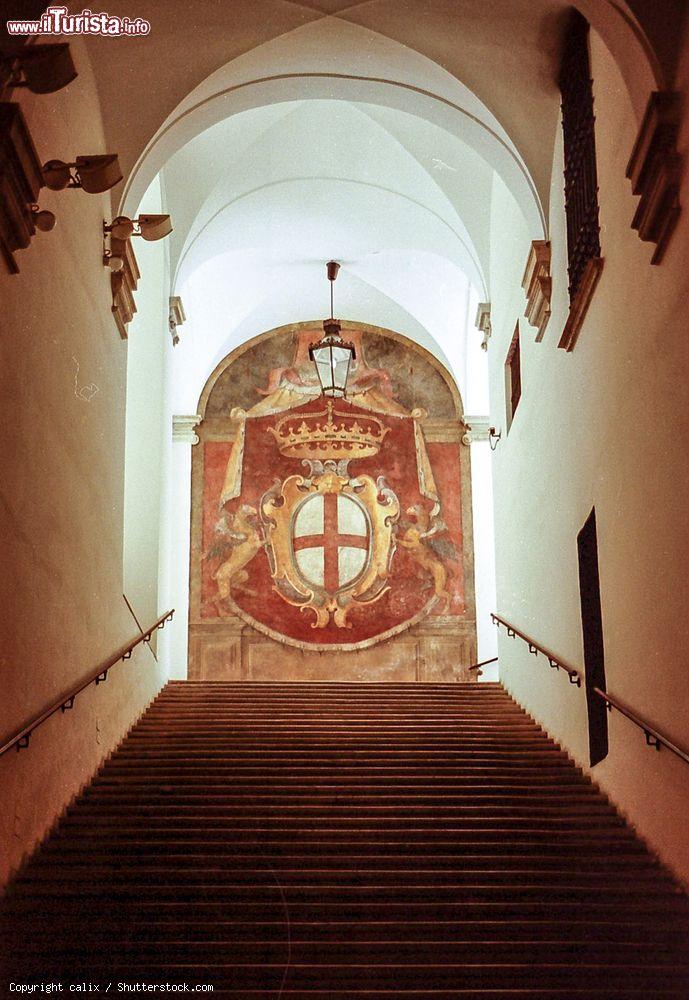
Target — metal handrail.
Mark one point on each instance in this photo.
(20, 740)
(483, 663)
(654, 738)
(575, 676)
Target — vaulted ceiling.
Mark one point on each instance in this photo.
(279, 134)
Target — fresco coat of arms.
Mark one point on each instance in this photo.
(329, 536)
(329, 530)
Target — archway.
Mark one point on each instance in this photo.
(379, 585)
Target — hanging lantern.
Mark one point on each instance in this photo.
(332, 355)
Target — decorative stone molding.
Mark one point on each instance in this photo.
(537, 285)
(183, 428)
(176, 317)
(580, 303)
(442, 430)
(476, 429)
(483, 323)
(123, 284)
(654, 170)
(21, 179)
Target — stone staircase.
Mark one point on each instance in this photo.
(347, 841)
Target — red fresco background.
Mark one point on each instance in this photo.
(410, 584)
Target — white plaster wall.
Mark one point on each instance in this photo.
(605, 425)
(62, 399)
(484, 555)
(167, 499)
(148, 434)
(177, 558)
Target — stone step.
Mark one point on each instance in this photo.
(348, 841)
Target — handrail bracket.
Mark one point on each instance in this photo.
(21, 739)
(654, 738)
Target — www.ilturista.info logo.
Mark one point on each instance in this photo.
(56, 21)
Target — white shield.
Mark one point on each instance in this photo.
(331, 540)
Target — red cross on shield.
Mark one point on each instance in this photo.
(331, 541)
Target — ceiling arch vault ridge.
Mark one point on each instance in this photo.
(309, 167)
(267, 196)
(499, 56)
(334, 60)
(279, 134)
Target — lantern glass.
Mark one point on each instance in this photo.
(332, 358)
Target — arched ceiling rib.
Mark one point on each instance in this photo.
(331, 59)
(504, 52)
(286, 132)
(296, 183)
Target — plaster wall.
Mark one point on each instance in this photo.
(148, 430)
(62, 400)
(484, 555)
(606, 426)
(175, 639)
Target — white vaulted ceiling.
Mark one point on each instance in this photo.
(262, 200)
(265, 194)
(279, 134)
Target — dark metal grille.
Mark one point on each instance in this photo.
(581, 178)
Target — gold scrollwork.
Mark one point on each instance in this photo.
(278, 506)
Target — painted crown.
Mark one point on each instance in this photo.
(352, 437)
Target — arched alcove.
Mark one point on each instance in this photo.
(255, 612)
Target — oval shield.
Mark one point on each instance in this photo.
(331, 541)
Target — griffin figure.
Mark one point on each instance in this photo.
(428, 543)
(237, 537)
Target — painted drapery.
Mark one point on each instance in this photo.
(330, 526)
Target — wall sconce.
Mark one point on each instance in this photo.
(121, 229)
(94, 174)
(115, 261)
(482, 323)
(149, 227)
(42, 218)
(43, 69)
(493, 437)
(124, 280)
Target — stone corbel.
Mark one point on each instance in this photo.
(176, 317)
(654, 170)
(123, 284)
(21, 179)
(475, 429)
(537, 285)
(579, 305)
(183, 428)
(483, 323)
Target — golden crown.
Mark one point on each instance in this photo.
(353, 437)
